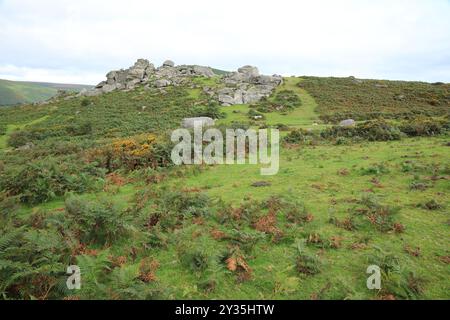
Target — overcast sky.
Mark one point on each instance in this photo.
(78, 41)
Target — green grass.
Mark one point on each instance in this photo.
(10, 128)
(302, 117)
(326, 178)
(311, 175)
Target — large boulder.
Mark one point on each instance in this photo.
(132, 83)
(230, 96)
(348, 123)
(127, 79)
(249, 71)
(161, 83)
(141, 69)
(269, 80)
(168, 63)
(247, 86)
(189, 123)
(255, 94)
(203, 71)
(108, 88)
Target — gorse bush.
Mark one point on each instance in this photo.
(423, 127)
(132, 153)
(298, 136)
(375, 130)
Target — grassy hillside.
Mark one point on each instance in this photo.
(94, 186)
(220, 72)
(343, 98)
(17, 92)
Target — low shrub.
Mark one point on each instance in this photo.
(282, 127)
(8, 207)
(398, 282)
(376, 169)
(252, 114)
(299, 136)
(430, 205)
(22, 137)
(288, 99)
(306, 263)
(375, 130)
(212, 110)
(44, 180)
(423, 127)
(379, 215)
(136, 152)
(31, 264)
(85, 102)
(283, 101)
(95, 222)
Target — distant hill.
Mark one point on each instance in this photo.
(220, 72)
(18, 92)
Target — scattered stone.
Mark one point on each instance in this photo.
(355, 80)
(188, 123)
(162, 83)
(260, 184)
(27, 146)
(203, 71)
(347, 123)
